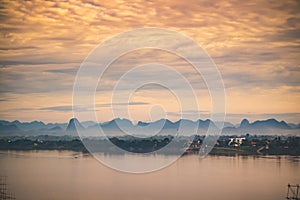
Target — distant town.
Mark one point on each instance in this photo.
(225, 145)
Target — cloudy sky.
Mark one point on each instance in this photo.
(255, 45)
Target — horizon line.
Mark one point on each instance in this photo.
(202, 119)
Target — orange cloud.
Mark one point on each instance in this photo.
(254, 43)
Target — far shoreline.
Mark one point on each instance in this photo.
(225, 145)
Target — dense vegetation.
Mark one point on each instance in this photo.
(251, 145)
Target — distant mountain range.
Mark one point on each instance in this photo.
(263, 126)
(162, 126)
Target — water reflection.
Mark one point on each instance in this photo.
(68, 175)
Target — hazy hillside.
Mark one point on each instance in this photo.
(144, 129)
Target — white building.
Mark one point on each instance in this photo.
(237, 141)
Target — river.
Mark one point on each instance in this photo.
(60, 175)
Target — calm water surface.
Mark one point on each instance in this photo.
(68, 175)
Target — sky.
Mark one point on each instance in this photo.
(255, 45)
